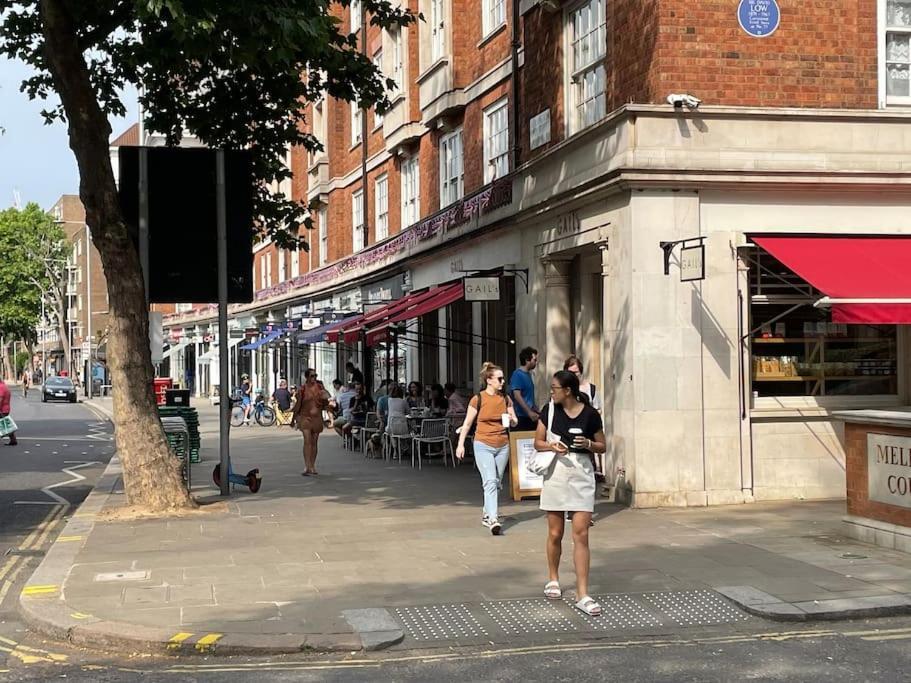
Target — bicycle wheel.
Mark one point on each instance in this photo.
(237, 416)
(266, 417)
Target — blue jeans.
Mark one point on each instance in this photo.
(491, 464)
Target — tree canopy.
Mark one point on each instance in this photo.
(235, 74)
(29, 237)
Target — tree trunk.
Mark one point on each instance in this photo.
(151, 474)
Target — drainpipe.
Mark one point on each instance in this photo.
(364, 130)
(514, 87)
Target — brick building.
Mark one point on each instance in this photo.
(535, 142)
(86, 295)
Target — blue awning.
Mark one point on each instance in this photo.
(315, 336)
(265, 340)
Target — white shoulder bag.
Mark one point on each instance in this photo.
(541, 462)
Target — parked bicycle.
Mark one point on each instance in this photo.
(261, 412)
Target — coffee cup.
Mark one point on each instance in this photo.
(505, 420)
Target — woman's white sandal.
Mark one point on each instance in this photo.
(552, 590)
(589, 606)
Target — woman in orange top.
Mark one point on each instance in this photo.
(312, 399)
(495, 415)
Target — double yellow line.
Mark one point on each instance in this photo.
(15, 564)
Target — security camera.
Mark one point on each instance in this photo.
(680, 101)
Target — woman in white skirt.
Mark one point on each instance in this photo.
(576, 433)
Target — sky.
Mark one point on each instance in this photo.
(35, 159)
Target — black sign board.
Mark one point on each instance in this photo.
(183, 259)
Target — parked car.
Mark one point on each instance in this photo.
(58, 389)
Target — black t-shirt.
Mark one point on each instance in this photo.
(361, 406)
(282, 398)
(588, 421)
(357, 377)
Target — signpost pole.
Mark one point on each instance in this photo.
(224, 402)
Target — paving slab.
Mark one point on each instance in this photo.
(306, 561)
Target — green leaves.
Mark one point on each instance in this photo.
(30, 241)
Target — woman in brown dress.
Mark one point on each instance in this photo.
(312, 399)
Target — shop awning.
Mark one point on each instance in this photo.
(421, 304)
(374, 317)
(174, 349)
(335, 332)
(866, 279)
(317, 334)
(272, 336)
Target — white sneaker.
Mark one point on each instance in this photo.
(493, 524)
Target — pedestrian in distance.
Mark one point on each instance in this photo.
(26, 381)
(312, 399)
(575, 434)
(522, 390)
(495, 415)
(246, 397)
(574, 365)
(6, 397)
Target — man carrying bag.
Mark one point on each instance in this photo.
(7, 426)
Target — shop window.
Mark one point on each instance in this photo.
(429, 345)
(796, 348)
(460, 343)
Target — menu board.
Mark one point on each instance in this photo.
(525, 484)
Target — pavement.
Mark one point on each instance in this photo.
(373, 555)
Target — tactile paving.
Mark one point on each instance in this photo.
(695, 608)
(618, 612)
(440, 622)
(528, 616)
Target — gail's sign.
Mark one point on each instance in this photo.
(889, 469)
(692, 263)
(482, 289)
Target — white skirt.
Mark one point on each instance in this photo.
(570, 484)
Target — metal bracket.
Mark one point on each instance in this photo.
(668, 247)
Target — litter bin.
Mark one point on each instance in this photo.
(162, 384)
(177, 397)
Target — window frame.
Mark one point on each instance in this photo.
(295, 263)
(381, 206)
(378, 63)
(447, 197)
(437, 27)
(500, 108)
(357, 221)
(323, 227)
(355, 10)
(493, 16)
(397, 39)
(575, 75)
(357, 125)
(883, 35)
(411, 201)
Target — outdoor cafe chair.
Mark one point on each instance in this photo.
(372, 425)
(433, 431)
(397, 434)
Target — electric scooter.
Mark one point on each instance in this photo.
(251, 480)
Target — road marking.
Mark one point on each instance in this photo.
(80, 615)
(894, 636)
(207, 641)
(878, 631)
(175, 641)
(68, 539)
(40, 590)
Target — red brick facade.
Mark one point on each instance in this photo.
(856, 475)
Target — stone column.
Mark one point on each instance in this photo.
(558, 333)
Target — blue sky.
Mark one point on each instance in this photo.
(35, 159)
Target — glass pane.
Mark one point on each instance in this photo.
(897, 83)
(898, 12)
(897, 47)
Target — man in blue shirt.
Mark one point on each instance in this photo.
(522, 388)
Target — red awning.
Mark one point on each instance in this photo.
(332, 335)
(874, 270)
(377, 316)
(421, 304)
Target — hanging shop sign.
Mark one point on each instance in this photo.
(759, 18)
(482, 289)
(692, 263)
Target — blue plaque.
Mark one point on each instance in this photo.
(759, 18)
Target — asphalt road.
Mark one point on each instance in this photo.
(63, 449)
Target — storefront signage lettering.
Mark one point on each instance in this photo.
(568, 224)
(759, 18)
(692, 263)
(482, 289)
(889, 469)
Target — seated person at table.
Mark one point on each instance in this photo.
(396, 406)
(457, 405)
(438, 402)
(282, 396)
(415, 397)
(361, 404)
(342, 408)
